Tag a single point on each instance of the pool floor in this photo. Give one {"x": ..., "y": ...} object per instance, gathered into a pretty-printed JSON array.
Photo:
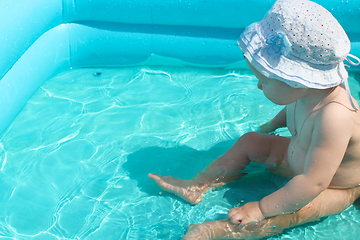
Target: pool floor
[{"x": 74, "y": 162}]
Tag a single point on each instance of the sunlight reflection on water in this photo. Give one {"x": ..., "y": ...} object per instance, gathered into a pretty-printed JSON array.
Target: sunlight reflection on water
[{"x": 74, "y": 162}]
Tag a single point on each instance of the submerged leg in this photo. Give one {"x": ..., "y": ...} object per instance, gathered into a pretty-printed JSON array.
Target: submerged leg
[
  {"x": 267, "y": 149},
  {"x": 331, "y": 201}
]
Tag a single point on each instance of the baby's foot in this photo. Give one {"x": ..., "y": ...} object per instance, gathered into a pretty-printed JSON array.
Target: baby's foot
[{"x": 189, "y": 190}]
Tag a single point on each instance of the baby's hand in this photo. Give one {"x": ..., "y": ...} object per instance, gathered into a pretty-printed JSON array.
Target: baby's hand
[{"x": 249, "y": 213}]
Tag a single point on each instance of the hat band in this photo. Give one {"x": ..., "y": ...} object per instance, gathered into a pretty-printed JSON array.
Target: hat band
[{"x": 346, "y": 83}]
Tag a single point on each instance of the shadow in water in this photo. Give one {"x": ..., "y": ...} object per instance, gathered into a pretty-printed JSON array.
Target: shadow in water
[
  {"x": 185, "y": 162},
  {"x": 181, "y": 162}
]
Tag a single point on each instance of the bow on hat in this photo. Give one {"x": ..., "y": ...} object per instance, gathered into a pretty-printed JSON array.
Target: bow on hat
[{"x": 278, "y": 44}]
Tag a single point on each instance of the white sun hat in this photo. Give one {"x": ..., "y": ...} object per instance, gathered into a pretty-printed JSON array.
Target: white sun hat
[{"x": 300, "y": 43}]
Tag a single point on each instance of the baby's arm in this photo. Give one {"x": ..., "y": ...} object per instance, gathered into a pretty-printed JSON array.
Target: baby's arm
[
  {"x": 331, "y": 135},
  {"x": 277, "y": 122}
]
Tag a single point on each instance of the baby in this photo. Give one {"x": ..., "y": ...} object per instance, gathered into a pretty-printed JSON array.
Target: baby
[{"x": 297, "y": 53}]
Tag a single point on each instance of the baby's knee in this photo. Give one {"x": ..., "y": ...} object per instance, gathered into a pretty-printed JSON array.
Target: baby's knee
[
  {"x": 255, "y": 141},
  {"x": 249, "y": 142},
  {"x": 251, "y": 137}
]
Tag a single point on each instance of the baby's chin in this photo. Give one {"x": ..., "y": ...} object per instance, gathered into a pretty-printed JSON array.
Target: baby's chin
[{"x": 281, "y": 102}]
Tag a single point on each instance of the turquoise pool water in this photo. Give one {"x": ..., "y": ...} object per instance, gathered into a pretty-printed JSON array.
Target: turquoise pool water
[{"x": 73, "y": 164}]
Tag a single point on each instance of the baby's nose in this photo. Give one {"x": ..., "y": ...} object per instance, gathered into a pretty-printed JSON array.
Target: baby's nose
[{"x": 259, "y": 85}]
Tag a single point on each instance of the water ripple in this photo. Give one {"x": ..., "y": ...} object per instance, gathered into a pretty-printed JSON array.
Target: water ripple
[{"x": 74, "y": 162}]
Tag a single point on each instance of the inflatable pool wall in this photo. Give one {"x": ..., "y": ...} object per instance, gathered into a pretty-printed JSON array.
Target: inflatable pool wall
[{"x": 40, "y": 38}]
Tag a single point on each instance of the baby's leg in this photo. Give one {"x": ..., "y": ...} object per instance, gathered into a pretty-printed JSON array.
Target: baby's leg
[
  {"x": 331, "y": 201},
  {"x": 262, "y": 148}
]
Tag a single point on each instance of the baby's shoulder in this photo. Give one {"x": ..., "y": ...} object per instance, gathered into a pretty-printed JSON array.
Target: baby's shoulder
[
  {"x": 338, "y": 114},
  {"x": 338, "y": 104}
]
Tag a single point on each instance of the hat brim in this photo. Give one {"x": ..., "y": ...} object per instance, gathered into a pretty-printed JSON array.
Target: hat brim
[{"x": 289, "y": 69}]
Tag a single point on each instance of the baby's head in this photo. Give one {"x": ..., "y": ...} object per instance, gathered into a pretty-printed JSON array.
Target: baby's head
[{"x": 299, "y": 43}]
